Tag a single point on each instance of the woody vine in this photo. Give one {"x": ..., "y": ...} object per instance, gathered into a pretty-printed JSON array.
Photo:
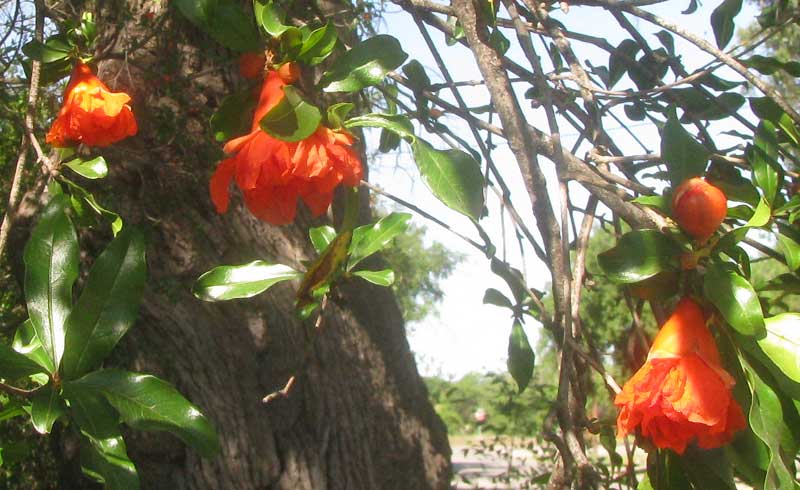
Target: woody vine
[{"x": 717, "y": 395}]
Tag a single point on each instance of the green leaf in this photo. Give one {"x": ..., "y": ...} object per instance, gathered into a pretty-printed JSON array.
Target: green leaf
[
  {"x": 662, "y": 203},
  {"x": 319, "y": 45},
  {"x": 14, "y": 365},
  {"x": 790, "y": 283},
  {"x": 735, "y": 298},
  {"x": 453, "y": 176},
  {"x": 27, "y": 343},
  {"x": 228, "y": 282},
  {"x": 761, "y": 216},
  {"x": 148, "y": 403},
  {"x": 369, "y": 239},
  {"x": 685, "y": 157},
  {"x": 766, "y": 108},
  {"x": 396, "y": 123},
  {"x": 621, "y": 59},
  {"x": 789, "y": 243},
  {"x": 90, "y": 410},
  {"x": 494, "y": 297},
  {"x": 197, "y": 11},
  {"x": 722, "y": 21},
  {"x": 321, "y": 237},
  {"x": 337, "y": 114},
  {"x": 782, "y": 343},
  {"x": 51, "y": 267},
  {"x": 55, "y": 48},
  {"x": 46, "y": 407},
  {"x": 520, "y": 357},
  {"x": 383, "y": 278},
  {"x": 107, "y": 461},
  {"x": 108, "y": 304},
  {"x": 364, "y": 65},
  {"x": 232, "y": 28},
  {"x": 270, "y": 17},
  {"x": 769, "y": 418},
  {"x": 293, "y": 118},
  {"x": 639, "y": 255},
  {"x": 234, "y": 115},
  {"x": 768, "y": 66},
  {"x": 84, "y": 195},
  {"x": 735, "y": 187},
  {"x": 767, "y": 173},
  {"x": 96, "y": 168}
]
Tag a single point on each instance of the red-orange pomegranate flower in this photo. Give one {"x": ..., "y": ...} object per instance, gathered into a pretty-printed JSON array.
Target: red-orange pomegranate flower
[
  {"x": 91, "y": 114},
  {"x": 273, "y": 174},
  {"x": 681, "y": 394}
]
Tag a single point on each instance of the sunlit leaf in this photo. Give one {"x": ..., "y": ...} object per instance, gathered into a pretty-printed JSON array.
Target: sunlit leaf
[{"x": 228, "y": 282}]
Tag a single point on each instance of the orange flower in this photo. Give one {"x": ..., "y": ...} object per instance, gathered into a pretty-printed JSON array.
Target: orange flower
[
  {"x": 682, "y": 393},
  {"x": 91, "y": 113},
  {"x": 273, "y": 174}
]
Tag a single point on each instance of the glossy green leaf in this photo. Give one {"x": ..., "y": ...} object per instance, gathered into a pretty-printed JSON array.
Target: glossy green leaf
[
  {"x": 81, "y": 195},
  {"x": 722, "y": 21},
  {"x": 293, "y": 118},
  {"x": 789, "y": 244},
  {"x": 383, "y": 278},
  {"x": 766, "y": 108},
  {"x": 768, "y": 418},
  {"x": 319, "y": 45},
  {"x": 321, "y": 237},
  {"x": 107, "y": 461},
  {"x": 46, "y": 407},
  {"x": 55, "y": 48},
  {"x": 148, "y": 403},
  {"x": 234, "y": 116},
  {"x": 27, "y": 343},
  {"x": 91, "y": 411},
  {"x": 14, "y": 365},
  {"x": 639, "y": 255},
  {"x": 396, "y": 123},
  {"x": 520, "y": 357},
  {"x": 270, "y": 17},
  {"x": 494, "y": 297},
  {"x": 735, "y": 299},
  {"x": 685, "y": 157},
  {"x": 453, "y": 176},
  {"x": 369, "y": 239},
  {"x": 108, "y": 304},
  {"x": 767, "y": 173},
  {"x": 366, "y": 64},
  {"x": 782, "y": 343},
  {"x": 96, "y": 168},
  {"x": 761, "y": 216},
  {"x": 51, "y": 267},
  {"x": 228, "y": 282}
]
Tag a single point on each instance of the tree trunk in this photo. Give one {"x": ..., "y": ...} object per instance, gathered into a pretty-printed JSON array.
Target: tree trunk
[{"x": 358, "y": 416}]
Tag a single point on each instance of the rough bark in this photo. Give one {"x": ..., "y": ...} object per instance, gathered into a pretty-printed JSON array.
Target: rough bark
[{"x": 358, "y": 417}]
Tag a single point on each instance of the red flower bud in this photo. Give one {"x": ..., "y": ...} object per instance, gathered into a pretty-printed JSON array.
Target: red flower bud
[
  {"x": 699, "y": 208},
  {"x": 289, "y": 72}
]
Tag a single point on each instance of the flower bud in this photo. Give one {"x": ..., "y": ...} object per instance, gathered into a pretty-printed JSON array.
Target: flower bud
[
  {"x": 699, "y": 208},
  {"x": 289, "y": 72}
]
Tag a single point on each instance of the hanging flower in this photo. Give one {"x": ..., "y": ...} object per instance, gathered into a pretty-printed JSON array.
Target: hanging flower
[
  {"x": 681, "y": 394},
  {"x": 273, "y": 174},
  {"x": 91, "y": 114}
]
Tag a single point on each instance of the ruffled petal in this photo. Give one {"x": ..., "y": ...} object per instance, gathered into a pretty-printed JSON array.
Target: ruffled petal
[{"x": 219, "y": 186}]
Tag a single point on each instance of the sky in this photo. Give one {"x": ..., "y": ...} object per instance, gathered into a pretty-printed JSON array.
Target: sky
[{"x": 465, "y": 335}]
